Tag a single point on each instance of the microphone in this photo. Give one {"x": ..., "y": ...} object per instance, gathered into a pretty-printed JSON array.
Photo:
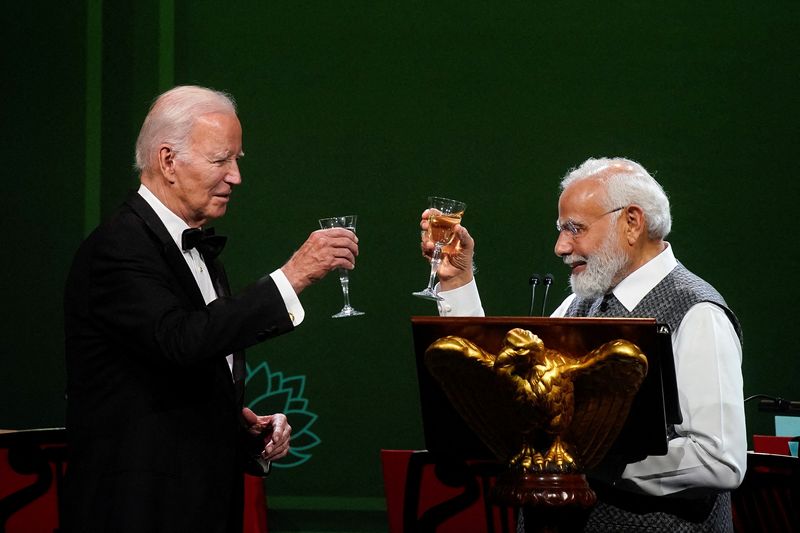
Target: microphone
[
  {"x": 775, "y": 404},
  {"x": 548, "y": 280},
  {"x": 533, "y": 282}
]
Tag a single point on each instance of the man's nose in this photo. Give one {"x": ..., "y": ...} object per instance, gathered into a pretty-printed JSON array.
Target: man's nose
[
  {"x": 234, "y": 176},
  {"x": 563, "y": 244}
]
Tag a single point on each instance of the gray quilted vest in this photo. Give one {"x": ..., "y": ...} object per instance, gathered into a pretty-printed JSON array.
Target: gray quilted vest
[
  {"x": 668, "y": 302},
  {"x": 618, "y": 510}
]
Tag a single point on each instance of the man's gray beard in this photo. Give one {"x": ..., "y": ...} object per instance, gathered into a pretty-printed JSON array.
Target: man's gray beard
[{"x": 601, "y": 269}]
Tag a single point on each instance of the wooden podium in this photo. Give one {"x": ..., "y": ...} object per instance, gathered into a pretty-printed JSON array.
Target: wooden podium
[
  {"x": 555, "y": 497},
  {"x": 655, "y": 407}
]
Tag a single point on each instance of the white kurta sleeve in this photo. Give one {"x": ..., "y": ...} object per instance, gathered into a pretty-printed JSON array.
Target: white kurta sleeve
[
  {"x": 711, "y": 449},
  {"x": 463, "y": 301}
]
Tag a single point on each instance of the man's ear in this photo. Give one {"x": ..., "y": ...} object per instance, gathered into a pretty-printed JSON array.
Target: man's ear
[
  {"x": 635, "y": 223},
  {"x": 166, "y": 162}
]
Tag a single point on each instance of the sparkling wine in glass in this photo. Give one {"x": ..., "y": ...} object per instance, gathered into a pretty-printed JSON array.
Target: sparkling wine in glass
[
  {"x": 443, "y": 217},
  {"x": 347, "y": 222}
]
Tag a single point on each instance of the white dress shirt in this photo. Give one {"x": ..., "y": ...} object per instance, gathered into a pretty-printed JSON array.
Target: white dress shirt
[
  {"x": 176, "y": 225},
  {"x": 710, "y": 451}
]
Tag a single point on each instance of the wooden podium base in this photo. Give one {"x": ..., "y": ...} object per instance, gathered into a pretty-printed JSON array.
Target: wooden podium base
[
  {"x": 543, "y": 490},
  {"x": 551, "y": 502}
]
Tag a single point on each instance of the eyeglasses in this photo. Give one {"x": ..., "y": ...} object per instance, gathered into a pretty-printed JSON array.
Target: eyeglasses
[{"x": 576, "y": 229}]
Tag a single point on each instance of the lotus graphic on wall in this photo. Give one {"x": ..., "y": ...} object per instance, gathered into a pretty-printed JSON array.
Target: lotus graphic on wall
[{"x": 272, "y": 392}]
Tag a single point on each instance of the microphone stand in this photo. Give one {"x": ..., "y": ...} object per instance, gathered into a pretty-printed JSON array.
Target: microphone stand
[
  {"x": 533, "y": 282},
  {"x": 548, "y": 280}
]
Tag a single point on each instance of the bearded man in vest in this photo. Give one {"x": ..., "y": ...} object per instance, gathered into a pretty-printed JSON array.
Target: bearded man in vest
[{"x": 613, "y": 217}]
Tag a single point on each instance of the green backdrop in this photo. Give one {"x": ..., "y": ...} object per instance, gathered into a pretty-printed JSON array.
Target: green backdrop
[{"x": 368, "y": 108}]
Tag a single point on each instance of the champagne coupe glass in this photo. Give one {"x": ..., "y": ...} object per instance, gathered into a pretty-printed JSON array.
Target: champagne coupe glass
[
  {"x": 347, "y": 222},
  {"x": 444, "y": 215}
]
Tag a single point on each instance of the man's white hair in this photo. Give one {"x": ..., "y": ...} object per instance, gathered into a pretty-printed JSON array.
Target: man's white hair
[
  {"x": 627, "y": 182},
  {"x": 171, "y": 118}
]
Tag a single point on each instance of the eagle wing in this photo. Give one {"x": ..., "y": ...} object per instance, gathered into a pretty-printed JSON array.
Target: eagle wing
[
  {"x": 605, "y": 383},
  {"x": 498, "y": 406}
]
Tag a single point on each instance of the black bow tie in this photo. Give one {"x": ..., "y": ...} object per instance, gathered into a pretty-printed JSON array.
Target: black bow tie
[{"x": 205, "y": 240}]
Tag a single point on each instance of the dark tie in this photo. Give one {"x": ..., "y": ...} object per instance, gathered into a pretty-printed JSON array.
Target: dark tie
[
  {"x": 205, "y": 240},
  {"x": 601, "y": 308}
]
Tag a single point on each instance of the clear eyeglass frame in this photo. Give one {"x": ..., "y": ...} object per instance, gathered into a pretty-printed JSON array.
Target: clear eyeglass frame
[{"x": 576, "y": 229}]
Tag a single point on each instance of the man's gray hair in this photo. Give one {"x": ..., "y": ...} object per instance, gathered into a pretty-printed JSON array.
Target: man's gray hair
[
  {"x": 627, "y": 182},
  {"x": 172, "y": 116}
]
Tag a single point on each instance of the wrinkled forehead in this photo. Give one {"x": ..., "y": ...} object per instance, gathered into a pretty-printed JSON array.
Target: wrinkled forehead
[
  {"x": 216, "y": 122},
  {"x": 216, "y": 129},
  {"x": 582, "y": 200}
]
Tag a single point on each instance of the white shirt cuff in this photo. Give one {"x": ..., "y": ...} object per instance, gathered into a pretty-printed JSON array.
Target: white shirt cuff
[
  {"x": 463, "y": 301},
  {"x": 290, "y": 299}
]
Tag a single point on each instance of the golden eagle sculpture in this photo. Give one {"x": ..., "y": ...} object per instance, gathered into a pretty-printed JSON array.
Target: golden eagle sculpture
[{"x": 540, "y": 410}]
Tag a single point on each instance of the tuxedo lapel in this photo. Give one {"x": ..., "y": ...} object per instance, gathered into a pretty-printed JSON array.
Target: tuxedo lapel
[
  {"x": 177, "y": 264},
  {"x": 219, "y": 277},
  {"x": 172, "y": 254},
  {"x": 221, "y": 285}
]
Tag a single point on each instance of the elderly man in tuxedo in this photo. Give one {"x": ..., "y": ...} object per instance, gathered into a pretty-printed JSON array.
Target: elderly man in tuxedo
[
  {"x": 613, "y": 219},
  {"x": 159, "y": 439}
]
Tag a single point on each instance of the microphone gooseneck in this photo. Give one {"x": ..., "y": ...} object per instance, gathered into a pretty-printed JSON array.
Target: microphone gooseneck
[
  {"x": 533, "y": 281},
  {"x": 548, "y": 280}
]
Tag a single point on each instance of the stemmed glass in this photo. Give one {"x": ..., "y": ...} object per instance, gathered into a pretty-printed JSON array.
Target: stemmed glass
[
  {"x": 444, "y": 215},
  {"x": 347, "y": 222}
]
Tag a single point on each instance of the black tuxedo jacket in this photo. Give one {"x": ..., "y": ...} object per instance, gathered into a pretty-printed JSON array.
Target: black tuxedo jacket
[{"x": 153, "y": 415}]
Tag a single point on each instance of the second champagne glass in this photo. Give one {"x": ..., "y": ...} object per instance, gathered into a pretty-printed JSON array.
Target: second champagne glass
[
  {"x": 443, "y": 217},
  {"x": 347, "y": 222}
]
